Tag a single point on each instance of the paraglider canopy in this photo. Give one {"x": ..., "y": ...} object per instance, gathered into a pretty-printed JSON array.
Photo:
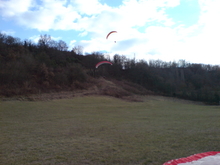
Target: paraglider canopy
[
  {"x": 206, "y": 158},
  {"x": 110, "y": 34},
  {"x": 102, "y": 62}
]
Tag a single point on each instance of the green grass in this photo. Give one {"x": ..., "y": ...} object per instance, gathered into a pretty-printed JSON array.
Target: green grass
[{"x": 105, "y": 130}]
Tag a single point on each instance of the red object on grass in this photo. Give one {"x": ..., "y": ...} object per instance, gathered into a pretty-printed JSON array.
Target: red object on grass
[{"x": 193, "y": 158}]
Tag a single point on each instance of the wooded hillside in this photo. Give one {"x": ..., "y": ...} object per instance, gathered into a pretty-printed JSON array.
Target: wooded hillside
[{"x": 29, "y": 68}]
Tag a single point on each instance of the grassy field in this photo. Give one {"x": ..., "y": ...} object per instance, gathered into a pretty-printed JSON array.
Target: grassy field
[{"x": 105, "y": 131}]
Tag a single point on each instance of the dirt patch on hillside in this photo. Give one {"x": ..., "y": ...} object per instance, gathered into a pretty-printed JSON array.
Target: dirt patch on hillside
[{"x": 114, "y": 88}]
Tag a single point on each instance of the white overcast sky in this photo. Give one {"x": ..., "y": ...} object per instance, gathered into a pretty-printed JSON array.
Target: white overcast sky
[{"x": 147, "y": 29}]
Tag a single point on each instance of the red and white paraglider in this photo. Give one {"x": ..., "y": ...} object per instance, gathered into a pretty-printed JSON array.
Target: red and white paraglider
[
  {"x": 102, "y": 62},
  {"x": 206, "y": 158}
]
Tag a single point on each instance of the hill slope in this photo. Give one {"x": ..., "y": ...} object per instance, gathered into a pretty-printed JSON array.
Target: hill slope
[{"x": 101, "y": 86}]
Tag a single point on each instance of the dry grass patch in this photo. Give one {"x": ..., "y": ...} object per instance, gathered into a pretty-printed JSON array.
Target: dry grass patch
[{"x": 119, "y": 89}]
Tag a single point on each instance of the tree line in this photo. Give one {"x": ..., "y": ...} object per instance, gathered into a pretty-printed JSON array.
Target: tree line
[{"x": 27, "y": 67}]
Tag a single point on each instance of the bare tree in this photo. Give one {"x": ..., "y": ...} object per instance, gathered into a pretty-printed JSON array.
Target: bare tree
[
  {"x": 44, "y": 41},
  {"x": 62, "y": 46},
  {"x": 78, "y": 50}
]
